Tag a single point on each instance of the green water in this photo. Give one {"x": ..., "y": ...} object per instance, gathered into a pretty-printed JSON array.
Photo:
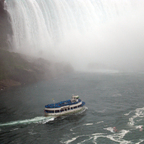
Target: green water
[{"x": 112, "y": 100}]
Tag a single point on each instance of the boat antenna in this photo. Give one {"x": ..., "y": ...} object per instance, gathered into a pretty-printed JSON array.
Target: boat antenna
[{"x": 53, "y": 101}]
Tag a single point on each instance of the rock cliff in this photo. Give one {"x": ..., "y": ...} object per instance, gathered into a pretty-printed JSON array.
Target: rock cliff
[
  {"x": 17, "y": 69},
  {"x": 5, "y": 27}
]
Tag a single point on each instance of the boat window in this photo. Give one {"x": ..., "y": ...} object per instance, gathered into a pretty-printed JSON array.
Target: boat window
[
  {"x": 57, "y": 111},
  {"x": 62, "y": 110},
  {"x": 48, "y": 111},
  {"x": 75, "y": 107},
  {"x": 68, "y": 108}
]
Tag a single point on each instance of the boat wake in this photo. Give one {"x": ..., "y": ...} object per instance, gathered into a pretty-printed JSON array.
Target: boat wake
[
  {"x": 85, "y": 108},
  {"x": 40, "y": 120}
]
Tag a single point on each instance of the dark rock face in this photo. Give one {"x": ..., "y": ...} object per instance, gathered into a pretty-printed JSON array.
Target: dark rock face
[
  {"x": 5, "y": 26},
  {"x": 2, "y": 5}
]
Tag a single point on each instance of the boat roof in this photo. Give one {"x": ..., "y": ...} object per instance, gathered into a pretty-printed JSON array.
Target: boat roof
[{"x": 61, "y": 104}]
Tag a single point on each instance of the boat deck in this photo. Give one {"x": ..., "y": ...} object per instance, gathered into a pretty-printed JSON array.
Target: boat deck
[{"x": 62, "y": 103}]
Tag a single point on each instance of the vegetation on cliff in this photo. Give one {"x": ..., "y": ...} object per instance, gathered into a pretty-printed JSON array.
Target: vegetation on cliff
[{"x": 17, "y": 69}]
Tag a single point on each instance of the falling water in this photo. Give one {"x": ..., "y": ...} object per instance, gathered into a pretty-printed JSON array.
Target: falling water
[{"x": 53, "y": 26}]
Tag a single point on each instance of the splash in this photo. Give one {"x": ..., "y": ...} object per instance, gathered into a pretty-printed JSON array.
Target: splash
[{"x": 41, "y": 120}]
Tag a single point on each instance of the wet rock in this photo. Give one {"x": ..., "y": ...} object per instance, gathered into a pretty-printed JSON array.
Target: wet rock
[{"x": 5, "y": 26}]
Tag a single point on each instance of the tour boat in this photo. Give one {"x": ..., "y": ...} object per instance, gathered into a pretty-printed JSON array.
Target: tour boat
[{"x": 64, "y": 107}]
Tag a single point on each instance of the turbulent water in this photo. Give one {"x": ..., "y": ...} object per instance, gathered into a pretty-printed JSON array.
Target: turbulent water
[
  {"x": 77, "y": 31},
  {"x": 112, "y": 100}
]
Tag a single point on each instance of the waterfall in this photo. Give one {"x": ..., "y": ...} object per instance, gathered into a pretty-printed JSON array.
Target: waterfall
[{"x": 53, "y": 26}]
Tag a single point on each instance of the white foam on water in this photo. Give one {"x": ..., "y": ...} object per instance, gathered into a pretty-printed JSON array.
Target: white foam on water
[
  {"x": 139, "y": 113},
  {"x": 140, "y": 142},
  {"x": 138, "y": 126},
  {"x": 71, "y": 140},
  {"x": 118, "y": 137},
  {"x": 85, "y": 108},
  {"x": 109, "y": 129},
  {"x": 85, "y": 140},
  {"x": 96, "y": 136},
  {"x": 131, "y": 121},
  {"x": 74, "y": 138},
  {"x": 127, "y": 113},
  {"x": 99, "y": 122},
  {"x": 48, "y": 120},
  {"x": 88, "y": 124},
  {"x": 115, "y": 137},
  {"x": 41, "y": 120},
  {"x": 139, "y": 120}
]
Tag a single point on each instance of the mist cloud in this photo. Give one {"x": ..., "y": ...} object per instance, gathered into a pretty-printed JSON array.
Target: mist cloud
[
  {"x": 117, "y": 43},
  {"x": 109, "y": 33}
]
